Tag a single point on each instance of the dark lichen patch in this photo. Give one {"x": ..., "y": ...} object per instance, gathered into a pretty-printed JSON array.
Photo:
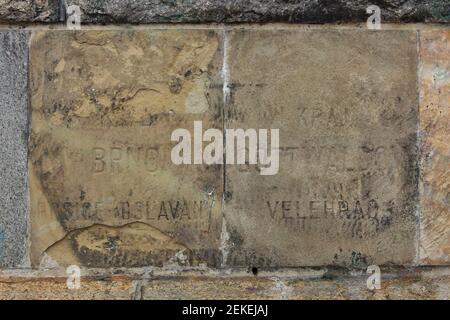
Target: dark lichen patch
[{"x": 359, "y": 260}]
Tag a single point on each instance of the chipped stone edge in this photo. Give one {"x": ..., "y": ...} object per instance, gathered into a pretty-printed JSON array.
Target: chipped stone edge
[{"x": 147, "y": 273}]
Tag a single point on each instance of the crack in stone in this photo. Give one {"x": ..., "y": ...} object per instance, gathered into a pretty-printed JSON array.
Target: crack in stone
[{"x": 107, "y": 226}]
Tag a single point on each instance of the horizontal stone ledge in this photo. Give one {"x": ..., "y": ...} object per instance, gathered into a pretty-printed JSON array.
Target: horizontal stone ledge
[
  {"x": 132, "y": 11},
  {"x": 261, "y": 11},
  {"x": 418, "y": 283},
  {"x": 219, "y": 11}
]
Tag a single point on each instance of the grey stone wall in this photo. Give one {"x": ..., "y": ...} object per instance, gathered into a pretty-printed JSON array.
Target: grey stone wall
[
  {"x": 13, "y": 141},
  {"x": 221, "y": 11},
  {"x": 29, "y": 10}
]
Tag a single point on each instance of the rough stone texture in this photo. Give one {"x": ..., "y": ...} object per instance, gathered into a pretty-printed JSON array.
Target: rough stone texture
[
  {"x": 29, "y": 10},
  {"x": 104, "y": 191},
  {"x": 413, "y": 284},
  {"x": 56, "y": 289},
  {"x": 198, "y": 11},
  {"x": 346, "y": 106},
  {"x": 435, "y": 133},
  {"x": 13, "y": 141},
  {"x": 136, "y": 11},
  {"x": 407, "y": 287},
  {"x": 207, "y": 288}
]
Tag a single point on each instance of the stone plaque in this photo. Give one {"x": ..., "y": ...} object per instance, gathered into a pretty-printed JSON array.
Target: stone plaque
[
  {"x": 346, "y": 106},
  {"x": 104, "y": 191}
]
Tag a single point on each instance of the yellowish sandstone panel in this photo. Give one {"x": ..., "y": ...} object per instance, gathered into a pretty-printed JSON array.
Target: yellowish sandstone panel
[
  {"x": 435, "y": 135},
  {"x": 345, "y": 102},
  {"x": 104, "y": 191}
]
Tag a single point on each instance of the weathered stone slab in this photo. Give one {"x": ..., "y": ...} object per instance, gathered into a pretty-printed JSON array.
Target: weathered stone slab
[
  {"x": 345, "y": 103},
  {"x": 13, "y": 156},
  {"x": 104, "y": 191},
  {"x": 435, "y": 133},
  {"x": 29, "y": 10},
  {"x": 320, "y": 11}
]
